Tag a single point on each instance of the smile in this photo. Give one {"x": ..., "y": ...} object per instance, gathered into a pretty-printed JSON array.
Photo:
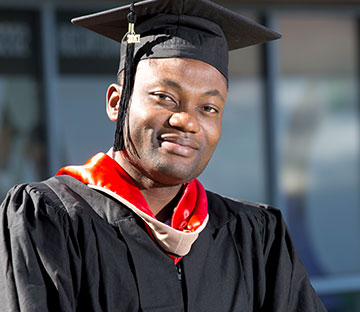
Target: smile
[{"x": 175, "y": 144}]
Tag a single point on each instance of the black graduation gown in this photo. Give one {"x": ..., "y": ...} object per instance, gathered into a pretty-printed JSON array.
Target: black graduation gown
[{"x": 66, "y": 247}]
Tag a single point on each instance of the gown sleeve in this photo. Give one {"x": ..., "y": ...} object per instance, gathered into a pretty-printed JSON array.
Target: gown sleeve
[
  {"x": 38, "y": 262},
  {"x": 288, "y": 287}
]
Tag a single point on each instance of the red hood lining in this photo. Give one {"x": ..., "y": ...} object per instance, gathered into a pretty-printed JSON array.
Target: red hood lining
[{"x": 101, "y": 170}]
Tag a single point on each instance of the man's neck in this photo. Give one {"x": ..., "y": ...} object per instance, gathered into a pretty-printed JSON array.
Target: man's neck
[{"x": 162, "y": 199}]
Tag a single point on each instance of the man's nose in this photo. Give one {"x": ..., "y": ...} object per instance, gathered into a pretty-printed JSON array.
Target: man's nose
[{"x": 184, "y": 121}]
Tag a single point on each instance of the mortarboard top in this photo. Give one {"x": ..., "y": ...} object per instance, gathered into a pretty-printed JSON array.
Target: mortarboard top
[{"x": 198, "y": 29}]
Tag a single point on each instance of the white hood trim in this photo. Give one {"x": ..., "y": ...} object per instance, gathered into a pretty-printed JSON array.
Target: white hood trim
[{"x": 170, "y": 239}]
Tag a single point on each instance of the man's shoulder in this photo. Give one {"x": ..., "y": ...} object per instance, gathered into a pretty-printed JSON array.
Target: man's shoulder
[
  {"x": 236, "y": 203},
  {"x": 224, "y": 209},
  {"x": 54, "y": 196}
]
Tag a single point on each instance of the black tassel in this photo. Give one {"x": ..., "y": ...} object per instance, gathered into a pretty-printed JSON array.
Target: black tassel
[{"x": 128, "y": 82}]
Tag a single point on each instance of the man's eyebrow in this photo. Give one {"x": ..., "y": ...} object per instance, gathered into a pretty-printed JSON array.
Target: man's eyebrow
[
  {"x": 215, "y": 92},
  {"x": 172, "y": 83}
]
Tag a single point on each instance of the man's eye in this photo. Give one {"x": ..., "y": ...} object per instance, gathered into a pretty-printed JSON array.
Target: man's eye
[
  {"x": 210, "y": 109},
  {"x": 164, "y": 97}
]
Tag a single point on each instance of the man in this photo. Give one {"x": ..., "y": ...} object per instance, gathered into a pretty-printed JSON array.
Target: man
[{"x": 133, "y": 230}]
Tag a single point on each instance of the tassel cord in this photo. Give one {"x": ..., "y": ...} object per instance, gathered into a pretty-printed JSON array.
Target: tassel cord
[{"x": 120, "y": 142}]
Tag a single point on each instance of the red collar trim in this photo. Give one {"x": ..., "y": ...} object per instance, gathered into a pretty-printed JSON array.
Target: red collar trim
[{"x": 101, "y": 170}]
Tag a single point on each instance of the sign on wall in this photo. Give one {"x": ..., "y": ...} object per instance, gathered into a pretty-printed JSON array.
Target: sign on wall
[
  {"x": 19, "y": 42},
  {"x": 82, "y": 51}
]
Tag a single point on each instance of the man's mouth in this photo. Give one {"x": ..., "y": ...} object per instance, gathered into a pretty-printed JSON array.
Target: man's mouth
[{"x": 178, "y": 145}]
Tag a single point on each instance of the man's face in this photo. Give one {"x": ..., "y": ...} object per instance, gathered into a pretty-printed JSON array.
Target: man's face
[{"x": 175, "y": 119}]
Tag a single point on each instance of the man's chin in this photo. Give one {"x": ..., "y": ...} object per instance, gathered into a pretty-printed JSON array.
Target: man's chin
[{"x": 174, "y": 175}]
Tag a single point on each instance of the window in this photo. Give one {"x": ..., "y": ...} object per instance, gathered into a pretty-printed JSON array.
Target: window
[
  {"x": 22, "y": 118},
  {"x": 318, "y": 156}
]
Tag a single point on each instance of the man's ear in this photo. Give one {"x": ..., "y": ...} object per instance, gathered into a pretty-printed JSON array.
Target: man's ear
[{"x": 113, "y": 96}]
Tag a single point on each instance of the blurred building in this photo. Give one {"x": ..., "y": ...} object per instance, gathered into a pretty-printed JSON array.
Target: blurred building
[{"x": 290, "y": 132}]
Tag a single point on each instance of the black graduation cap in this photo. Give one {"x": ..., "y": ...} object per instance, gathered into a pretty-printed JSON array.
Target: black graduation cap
[{"x": 197, "y": 29}]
